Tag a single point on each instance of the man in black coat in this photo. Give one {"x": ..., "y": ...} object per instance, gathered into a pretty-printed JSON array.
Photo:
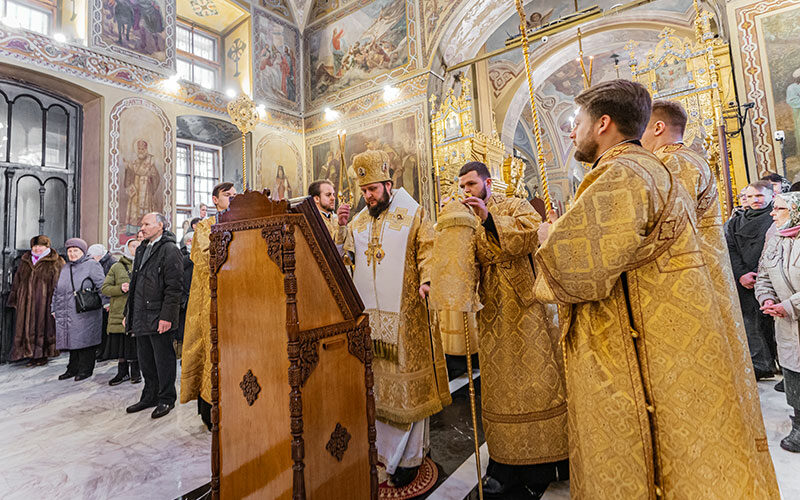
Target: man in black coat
[
  {"x": 151, "y": 314},
  {"x": 745, "y": 236}
]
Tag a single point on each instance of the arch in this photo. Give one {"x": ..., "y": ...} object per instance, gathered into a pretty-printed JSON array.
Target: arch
[
  {"x": 262, "y": 143},
  {"x": 120, "y": 143}
]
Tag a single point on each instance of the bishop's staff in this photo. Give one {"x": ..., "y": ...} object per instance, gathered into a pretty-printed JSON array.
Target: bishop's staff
[
  {"x": 537, "y": 131},
  {"x": 244, "y": 114}
]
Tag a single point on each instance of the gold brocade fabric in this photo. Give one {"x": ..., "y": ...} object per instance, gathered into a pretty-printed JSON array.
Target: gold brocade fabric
[
  {"x": 692, "y": 171},
  {"x": 451, "y": 328},
  {"x": 523, "y": 398},
  {"x": 654, "y": 406},
  {"x": 331, "y": 221},
  {"x": 196, "y": 356},
  {"x": 412, "y": 387}
]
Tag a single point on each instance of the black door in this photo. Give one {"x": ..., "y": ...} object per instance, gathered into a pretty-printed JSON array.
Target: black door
[{"x": 39, "y": 164}]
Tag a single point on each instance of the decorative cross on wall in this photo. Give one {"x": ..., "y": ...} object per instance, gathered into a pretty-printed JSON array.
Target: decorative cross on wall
[{"x": 235, "y": 53}]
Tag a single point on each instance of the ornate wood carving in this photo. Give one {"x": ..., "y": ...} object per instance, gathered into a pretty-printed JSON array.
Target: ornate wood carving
[
  {"x": 250, "y": 387},
  {"x": 273, "y": 237},
  {"x": 359, "y": 341},
  {"x": 251, "y": 205},
  {"x": 338, "y": 442},
  {"x": 295, "y": 373},
  {"x": 309, "y": 357},
  {"x": 214, "y": 358},
  {"x": 219, "y": 249}
]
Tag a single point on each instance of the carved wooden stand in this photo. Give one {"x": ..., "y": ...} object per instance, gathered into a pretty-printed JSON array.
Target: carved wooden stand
[{"x": 336, "y": 442}]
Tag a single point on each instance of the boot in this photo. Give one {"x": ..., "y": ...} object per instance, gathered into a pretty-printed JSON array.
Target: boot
[
  {"x": 792, "y": 441},
  {"x": 403, "y": 476},
  {"x": 122, "y": 374},
  {"x": 136, "y": 375}
]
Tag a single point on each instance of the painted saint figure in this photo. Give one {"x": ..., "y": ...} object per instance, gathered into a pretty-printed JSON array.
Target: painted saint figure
[{"x": 141, "y": 184}]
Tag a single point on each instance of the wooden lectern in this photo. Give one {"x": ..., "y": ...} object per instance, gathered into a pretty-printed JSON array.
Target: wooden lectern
[{"x": 293, "y": 413}]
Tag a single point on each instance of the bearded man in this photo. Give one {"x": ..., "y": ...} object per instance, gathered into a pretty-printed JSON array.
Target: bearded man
[
  {"x": 654, "y": 404},
  {"x": 390, "y": 243},
  {"x": 324, "y": 196},
  {"x": 523, "y": 394},
  {"x": 664, "y": 137}
]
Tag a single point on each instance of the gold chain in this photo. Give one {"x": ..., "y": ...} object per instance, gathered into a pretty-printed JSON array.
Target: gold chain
[
  {"x": 537, "y": 130},
  {"x": 472, "y": 407}
]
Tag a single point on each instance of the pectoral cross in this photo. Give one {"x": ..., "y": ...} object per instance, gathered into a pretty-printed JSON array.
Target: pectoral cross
[{"x": 374, "y": 251}]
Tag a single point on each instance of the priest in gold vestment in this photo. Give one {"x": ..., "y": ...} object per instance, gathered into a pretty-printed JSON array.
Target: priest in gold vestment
[
  {"x": 324, "y": 196},
  {"x": 196, "y": 355},
  {"x": 523, "y": 394},
  {"x": 390, "y": 243},
  {"x": 652, "y": 379},
  {"x": 664, "y": 137}
]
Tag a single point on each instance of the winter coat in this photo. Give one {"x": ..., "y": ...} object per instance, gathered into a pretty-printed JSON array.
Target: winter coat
[
  {"x": 745, "y": 237},
  {"x": 119, "y": 273},
  {"x": 107, "y": 261},
  {"x": 779, "y": 280},
  {"x": 76, "y": 330},
  {"x": 188, "y": 269},
  {"x": 156, "y": 289},
  {"x": 31, "y": 293}
]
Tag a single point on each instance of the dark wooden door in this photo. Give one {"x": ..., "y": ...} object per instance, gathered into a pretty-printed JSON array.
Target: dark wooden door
[{"x": 40, "y": 167}]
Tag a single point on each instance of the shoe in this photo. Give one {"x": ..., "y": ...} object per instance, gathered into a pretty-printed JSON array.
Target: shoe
[
  {"x": 136, "y": 375},
  {"x": 161, "y": 410},
  {"x": 141, "y": 405},
  {"x": 792, "y": 441},
  {"x": 122, "y": 374},
  {"x": 403, "y": 476},
  {"x": 40, "y": 362},
  {"x": 66, "y": 375},
  {"x": 763, "y": 375},
  {"x": 118, "y": 379},
  {"x": 82, "y": 376},
  {"x": 495, "y": 489},
  {"x": 779, "y": 387}
]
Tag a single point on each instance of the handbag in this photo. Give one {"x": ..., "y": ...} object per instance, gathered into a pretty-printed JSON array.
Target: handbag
[{"x": 87, "y": 298}]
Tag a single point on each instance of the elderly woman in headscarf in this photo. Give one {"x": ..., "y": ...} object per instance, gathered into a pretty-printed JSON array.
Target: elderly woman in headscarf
[
  {"x": 777, "y": 289},
  {"x": 120, "y": 345},
  {"x": 77, "y": 332}
]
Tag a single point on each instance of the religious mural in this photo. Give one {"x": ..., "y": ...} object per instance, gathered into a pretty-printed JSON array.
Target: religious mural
[
  {"x": 357, "y": 47},
  {"x": 398, "y": 138},
  {"x": 275, "y": 60},
  {"x": 278, "y": 168},
  {"x": 139, "y": 29},
  {"x": 781, "y": 32},
  {"x": 140, "y": 166}
]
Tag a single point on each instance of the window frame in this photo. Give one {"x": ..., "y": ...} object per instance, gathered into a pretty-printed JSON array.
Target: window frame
[
  {"x": 192, "y": 145},
  {"x": 49, "y": 7},
  {"x": 195, "y": 60}
]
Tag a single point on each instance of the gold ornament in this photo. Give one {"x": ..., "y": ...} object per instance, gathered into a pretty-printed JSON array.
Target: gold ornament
[{"x": 244, "y": 115}]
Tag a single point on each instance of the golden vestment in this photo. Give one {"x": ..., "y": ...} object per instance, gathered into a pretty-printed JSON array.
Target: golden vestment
[
  {"x": 652, "y": 380},
  {"x": 408, "y": 386},
  {"x": 693, "y": 172},
  {"x": 196, "y": 355},
  {"x": 331, "y": 221},
  {"x": 523, "y": 398}
]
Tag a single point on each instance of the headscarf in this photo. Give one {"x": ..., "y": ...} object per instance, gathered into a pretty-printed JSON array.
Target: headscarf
[
  {"x": 792, "y": 226},
  {"x": 96, "y": 250}
]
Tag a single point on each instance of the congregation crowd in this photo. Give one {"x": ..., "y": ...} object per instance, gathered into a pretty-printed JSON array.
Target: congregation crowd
[{"x": 80, "y": 302}]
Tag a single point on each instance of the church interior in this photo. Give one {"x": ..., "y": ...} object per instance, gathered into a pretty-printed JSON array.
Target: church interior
[{"x": 111, "y": 110}]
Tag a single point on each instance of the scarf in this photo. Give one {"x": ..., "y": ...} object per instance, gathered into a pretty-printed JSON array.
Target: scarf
[
  {"x": 35, "y": 258},
  {"x": 754, "y": 213},
  {"x": 792, "y": 226}
]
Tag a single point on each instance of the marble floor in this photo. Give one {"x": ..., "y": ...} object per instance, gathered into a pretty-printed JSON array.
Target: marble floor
[{"x": 66, "y": 439}]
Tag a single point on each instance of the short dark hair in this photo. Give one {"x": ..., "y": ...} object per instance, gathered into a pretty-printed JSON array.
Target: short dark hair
[
  {"x": 761, "y": 185},
  {"x": 671, "y": 113},
  {"x": 194, "y": 221},
  {"x": 773, "y": 177},
  {"x": 477, "y": 167},
  {"x": 795, "y": 187},
  {"x": 315, "y": 188},
  {"x": 222, "y": 186},
  {"x": 627, "y": 103}
]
